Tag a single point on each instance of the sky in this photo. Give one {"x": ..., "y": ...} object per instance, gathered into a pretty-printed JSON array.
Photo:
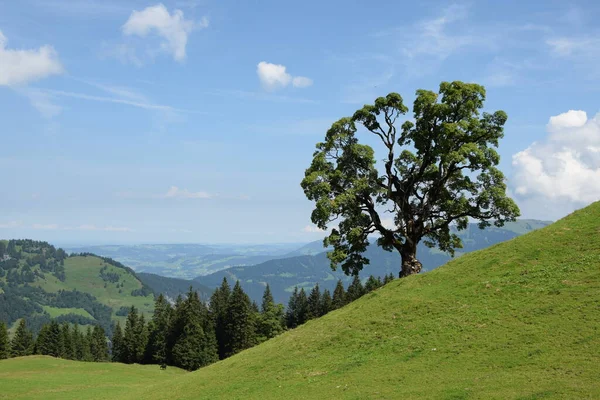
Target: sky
[{"x": 192, "y": 121}]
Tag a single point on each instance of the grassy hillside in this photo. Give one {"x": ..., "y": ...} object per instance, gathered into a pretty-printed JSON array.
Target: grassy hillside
[
  {"x": 43, "y": 377},
  {"x": 520, "y": 320},
  {"x": 39, "y": 282},
  {"x": 306, "y": 270}
]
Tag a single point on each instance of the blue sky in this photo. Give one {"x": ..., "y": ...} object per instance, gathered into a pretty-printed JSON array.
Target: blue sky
[{"x": 193, "y": 121}]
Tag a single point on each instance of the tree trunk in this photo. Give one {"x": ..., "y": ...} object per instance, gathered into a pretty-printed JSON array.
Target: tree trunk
[{"x": 410, "y": 264}]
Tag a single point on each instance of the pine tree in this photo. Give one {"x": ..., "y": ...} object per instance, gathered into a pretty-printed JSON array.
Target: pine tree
[
  {"x": 67, "y": 341},
  {"x": 87, "y": 345},
  {"x": 270, "y": 322},
  {"x": 291, "y": 313},
  {"x": 388, "y": 278},
  {"x": 314, "y": 303},
  {"x": 302, "y": 307},
  {"x": 372, "y": 284},
  {"x": 339, "y": 296},
  {"x": 22, "y": 343},
  {"x": 79, "y": 344},
  {"x": 196, "y": 345},
  {"x": 158, "y": 330},
  {"x": 4, "y": 344},
  {"x": 117, "y": 343},
  {"x": 326, "y": 302},
  {"x": 98, "y": 345},
  {"x": 141, "y": 339},
  {"x": 219, "y": 303},
  {"x": 130, "y": 337},
  {"x": 42, "y": 342},
  {"x": 241, "y": 321},
  {"x": 355, "y": 289}
]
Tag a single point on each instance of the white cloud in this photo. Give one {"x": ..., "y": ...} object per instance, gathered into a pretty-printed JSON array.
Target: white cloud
[
  {"x": 41, "y": 101},
  {"x": 565, "y": 167},
  {"x": 574, "y": 46},
  {"x": 44, "y": 226},
  {"x": 174, "y": 29},
  {"x": 302, "y": 82},
  {"x": 10, "y": 225},
  {"x": 19, "y": 67},
  {"x": 312, "y": 229},
  {"x": 275, "y": 76},
  {"x": 139, "y": 103},
  {"x": 89, "y": 227},
  {"x": 175, "y": 193}
]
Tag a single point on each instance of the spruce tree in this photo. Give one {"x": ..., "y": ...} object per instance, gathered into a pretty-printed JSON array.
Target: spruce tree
[
  {"x": 22, "y": 343},
  {"x": 219, "y": 303},
  {"x": 4, "y": 344},
  {"x": 241, "y": 328},
  {"x": 55, "y": 339},
  {"x": 270, "y": 322},
  {"x": 43, "y": 345},
  {"x": 339, "y": 296},
  {"x": 117, "y": 343},
  {"x": 302, "y": 307},
  {"x": 355, "y": 289},
  {"x": 67, "y": 342},
  {"x": 98, "y": 345},
  {"x": 130, "y": 337},
  {"x": 87, "y": 345},
  {"x": 326, "y": 302},
  {"x": 141, "y": 339},
  {"x": 157, "y": 341},
  {"x": 79, "y": 344},
  {"x": 196, "y": 345},
  {"x": 314, "y": 303},
  {"x": 291, "y": 313},
  {"x": 372, "y": 284}
]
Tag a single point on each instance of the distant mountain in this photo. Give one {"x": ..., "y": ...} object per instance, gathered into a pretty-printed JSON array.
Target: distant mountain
[
  {"x": 173, "y": 287},
  {"x": 39, "y": 282},
  {"x": 187, "y": 261},
  {"x": 306, "y": 270}
]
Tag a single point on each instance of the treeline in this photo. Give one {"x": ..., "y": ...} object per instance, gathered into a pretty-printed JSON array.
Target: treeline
[
  {"x": 190, "y": 333},
  {"x": 302, "y": 307},
  {"x": 18, "y": 257},
  {"x": 57, "y": 340}
]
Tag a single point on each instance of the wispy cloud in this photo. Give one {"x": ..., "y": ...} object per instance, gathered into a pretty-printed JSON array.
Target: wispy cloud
[
  {"x": 10, "y": 225},
  {"x": 175, "y": 193},
  {"x": 41, "y": 100},
  {"x": 261, "y": 96},
  {"x": 312, "y": 229},
  {"x": 83, "y": 227}
]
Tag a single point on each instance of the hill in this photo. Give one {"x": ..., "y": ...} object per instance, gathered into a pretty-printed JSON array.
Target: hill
[
  {"x": 44, "y": 377},
  {"x": 306, "y": 270},
  {"x": 187, "y": 261},
  {"x": 39, "y": 282},
  {"x": 173, "y": 287},
  {"x": 519, "y": 320}
]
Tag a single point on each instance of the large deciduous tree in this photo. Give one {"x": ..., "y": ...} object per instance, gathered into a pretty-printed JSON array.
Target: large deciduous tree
[{"x": 437, "y": 172}]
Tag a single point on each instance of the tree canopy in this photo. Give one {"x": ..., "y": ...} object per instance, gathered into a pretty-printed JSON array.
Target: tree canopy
[{"x": 438, "y": 172}]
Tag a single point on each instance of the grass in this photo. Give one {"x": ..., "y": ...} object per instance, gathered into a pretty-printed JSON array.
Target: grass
[
  {"x": 43, "y": 377},
  {"x": 83, "y": 274},
  {"x": 519, "y": 320},
  {"x": 56, "y": 312}
]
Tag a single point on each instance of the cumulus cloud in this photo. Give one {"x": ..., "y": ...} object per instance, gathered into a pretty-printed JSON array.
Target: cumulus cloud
[
  {"x": 19, "y": 67},
  {"x": 175, "y": 193},
  {"x": 275, "y": 76},
  {"x": 565, "y": 167},
  {"x": 173, "y": 28}
]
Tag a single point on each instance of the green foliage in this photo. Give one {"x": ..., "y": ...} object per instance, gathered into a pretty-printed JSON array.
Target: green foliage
[
  {"x": 437, "y": 171},
  {"x": 98, "y": 344},
  {"x": 4, "y": 342},
  {"x": 314, "y": 303},
  {"x": 270, "y": 321},
  {"x": 117, "y": 344},
  {"x": 219, "y": 306},
  {"x": 241, "y": 321},
  {"x": 339, "y": 296},
  {"x": 157, "y": 342},
  {"x": 22, "y": 342},
  {"x": 355, "y": 290}
]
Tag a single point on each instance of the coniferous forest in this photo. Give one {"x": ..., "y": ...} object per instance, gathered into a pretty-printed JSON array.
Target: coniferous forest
[{"x": 187, "y": 333}]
